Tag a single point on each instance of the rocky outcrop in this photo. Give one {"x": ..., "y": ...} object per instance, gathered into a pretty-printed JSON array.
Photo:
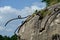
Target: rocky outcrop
[{"x": 46, "y": 28}]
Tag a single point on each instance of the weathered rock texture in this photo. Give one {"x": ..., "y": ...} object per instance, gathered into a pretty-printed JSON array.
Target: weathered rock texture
[{"x": 47, "y": 28}]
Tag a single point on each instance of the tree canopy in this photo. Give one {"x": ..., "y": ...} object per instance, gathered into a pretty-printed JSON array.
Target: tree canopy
[
  {"x": 51, "y": 2},
  {"x": 13, "y": 37}
]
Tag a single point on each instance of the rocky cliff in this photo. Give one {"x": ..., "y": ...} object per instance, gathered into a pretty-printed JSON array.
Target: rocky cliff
[{"x": 42, "y": 28}]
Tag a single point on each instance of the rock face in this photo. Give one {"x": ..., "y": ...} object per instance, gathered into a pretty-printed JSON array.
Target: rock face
[{"x": 47, "y": 28}]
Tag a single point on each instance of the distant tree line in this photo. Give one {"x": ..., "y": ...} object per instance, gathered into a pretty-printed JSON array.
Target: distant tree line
[{"x": 14, "y": 37}]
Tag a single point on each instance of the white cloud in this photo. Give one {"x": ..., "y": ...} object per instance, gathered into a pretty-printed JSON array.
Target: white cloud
[
  {"x": 8, "y": 30},
  {"x": 8, "y": 9},
  {"x": 40, "y": 4},
  {"x": 5, "y": 29},
  {"x": 29, "y": 10},
  {"x": 2, "y": 28},
  {"x": 24, "y": 11},
  {"x": 35, "y": 7},
  {"x": 0, "y": 17}
]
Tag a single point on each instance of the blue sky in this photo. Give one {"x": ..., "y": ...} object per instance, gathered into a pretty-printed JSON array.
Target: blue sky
[{"x": 12, "y": 8}]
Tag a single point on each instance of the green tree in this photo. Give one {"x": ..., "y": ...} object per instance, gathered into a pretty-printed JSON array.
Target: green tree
[
  {"x": 6, "y": 38},
  {"x": 14, "y": 37},
  {"x": 1, "y": 37},
  {"x": 51, "y": 2}
]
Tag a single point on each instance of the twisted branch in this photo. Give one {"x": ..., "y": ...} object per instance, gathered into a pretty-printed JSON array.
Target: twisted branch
[{"x": 19, "y": 17}]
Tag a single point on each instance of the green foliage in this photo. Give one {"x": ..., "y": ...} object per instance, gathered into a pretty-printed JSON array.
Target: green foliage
[
  {"x": 51, "y": 2},
  {"x": 42, "y": 13},
  {"x": 35, "y": 13},
  {"x": 6, "y": 38},
  {"x": 14, "y": 37},
  {"x": 1, "y": 37},
  {"x": 45, "y": 12}
]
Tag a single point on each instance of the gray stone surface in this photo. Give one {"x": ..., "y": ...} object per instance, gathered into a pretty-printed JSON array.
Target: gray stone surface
[{"x": 47, "y": 28}]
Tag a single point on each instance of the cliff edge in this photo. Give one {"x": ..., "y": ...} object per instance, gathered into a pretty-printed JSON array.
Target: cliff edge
[{"x": 38, "y": 27}]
